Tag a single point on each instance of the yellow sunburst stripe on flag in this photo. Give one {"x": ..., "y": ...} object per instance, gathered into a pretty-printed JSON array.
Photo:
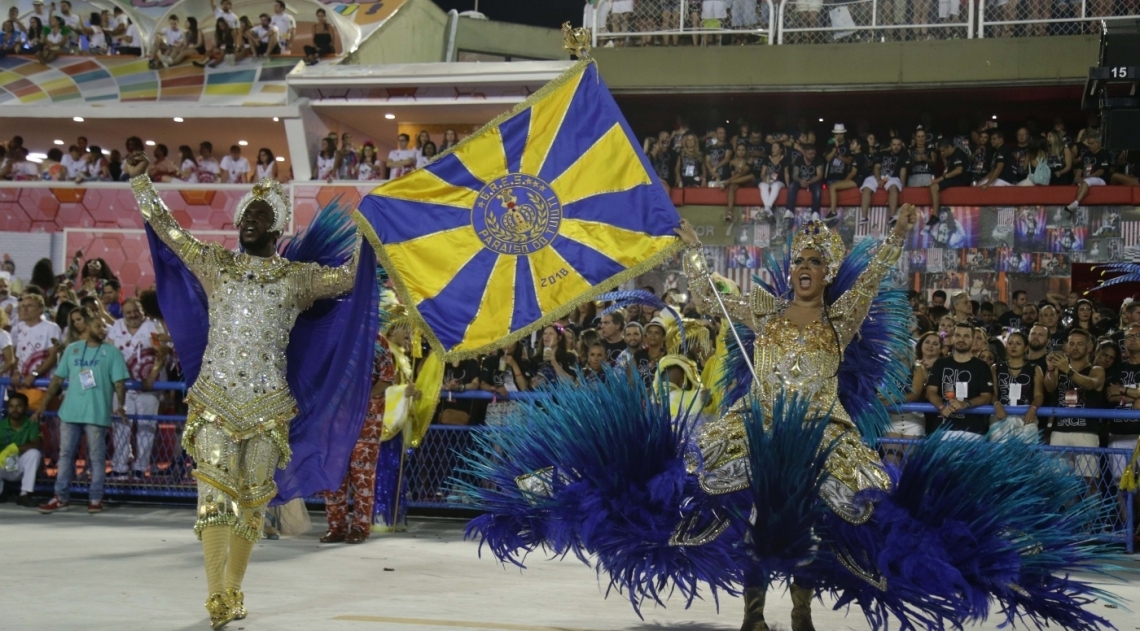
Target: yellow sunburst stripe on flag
[
  {"x": 610, "y": 165},
  {"x": 545, "y": 122},
  {"x": 425, "y": 186},
  {"x": 615, "y": 242},
  {"x": 493, "y": 319},
  {"x": 484, "y": 156},
  {"x": 448, "y": 251},
  {"x": 556, "y": 282}
]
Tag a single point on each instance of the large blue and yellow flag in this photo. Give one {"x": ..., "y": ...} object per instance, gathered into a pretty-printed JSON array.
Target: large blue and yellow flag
[{"x": 537, "y": 212}]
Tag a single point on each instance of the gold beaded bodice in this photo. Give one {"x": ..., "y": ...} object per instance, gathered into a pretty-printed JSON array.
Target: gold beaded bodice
[
  {"x": 803, "y": 362},
  {"x": 253, "y": 304}
]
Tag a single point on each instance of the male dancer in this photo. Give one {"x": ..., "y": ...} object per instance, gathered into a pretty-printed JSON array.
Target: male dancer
[{"x": 240, "y": 406}]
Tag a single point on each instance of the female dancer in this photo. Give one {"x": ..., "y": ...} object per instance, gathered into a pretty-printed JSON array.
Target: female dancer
[{"x": 781, "y": 487}]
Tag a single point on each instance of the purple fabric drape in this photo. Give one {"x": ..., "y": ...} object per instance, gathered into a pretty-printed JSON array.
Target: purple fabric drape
[
  {"x": 329, "y": 365},
  {"x": 391, "y": 506}
]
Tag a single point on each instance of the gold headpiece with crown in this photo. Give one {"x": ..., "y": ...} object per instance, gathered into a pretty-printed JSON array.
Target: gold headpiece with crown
[
  {"x": 815, "y": 235},
  {"x": 271, "y": 192}
]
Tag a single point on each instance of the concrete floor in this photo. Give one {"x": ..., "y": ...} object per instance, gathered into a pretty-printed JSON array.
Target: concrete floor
[{"x": 141, "y": 568}]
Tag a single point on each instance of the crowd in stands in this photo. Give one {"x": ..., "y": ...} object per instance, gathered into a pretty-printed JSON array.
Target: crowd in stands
[
  {"x": 982, "y": 155},
  {"x": 91, "y": 163},
  {"x": 49, "y": 33},
  {"x": 339, "y": 159}
]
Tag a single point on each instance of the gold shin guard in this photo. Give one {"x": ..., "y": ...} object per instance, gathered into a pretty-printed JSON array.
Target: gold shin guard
[
  {"x": 754, "y": 609},
  {"x": 801, "y": 608}
]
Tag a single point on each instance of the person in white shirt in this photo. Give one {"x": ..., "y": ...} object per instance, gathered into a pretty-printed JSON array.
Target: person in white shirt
[
  {"x": 74, "y": 162},
  {"x": 284, "y": 23},
  {"x": 136, "y": 337},
  {"x": 208, "y": 169},
  {"x": 35, "y": 340},
  {"x": 235, "y": 168},
  {"x": 8, "y": 302},
  {"x": 266, "y": 164},
  {"x": 166, "y": 43},
  {"x": 71, "y": 21},
  {"x": 96, "y": 36},
  {"x": 326, "y": 160},
  {"x": 131, "y": 41},
  {"x": 264, "y": 35},
  {"x": 401, "y": 160},
  {"x": 18, "y": 167},
  {"x": 226, "y": 12}
]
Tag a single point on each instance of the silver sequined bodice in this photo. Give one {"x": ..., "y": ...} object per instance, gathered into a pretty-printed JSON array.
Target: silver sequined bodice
[{"x": 250, "y": 320}]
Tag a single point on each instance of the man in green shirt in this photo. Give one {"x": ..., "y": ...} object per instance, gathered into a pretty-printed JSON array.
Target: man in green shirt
[
  {"x": 94, "y": 370},
  {"x": 20, "y": 445}
]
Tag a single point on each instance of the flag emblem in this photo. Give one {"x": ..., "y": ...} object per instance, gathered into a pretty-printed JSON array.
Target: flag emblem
[{"x": 517, "y": 214}]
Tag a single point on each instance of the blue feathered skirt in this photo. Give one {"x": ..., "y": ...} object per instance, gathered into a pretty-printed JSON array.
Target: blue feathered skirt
[{"x": 965, "y": 529}]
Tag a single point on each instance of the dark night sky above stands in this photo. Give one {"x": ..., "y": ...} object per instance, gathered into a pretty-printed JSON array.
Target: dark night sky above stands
[{"x": 548, "y": 13}]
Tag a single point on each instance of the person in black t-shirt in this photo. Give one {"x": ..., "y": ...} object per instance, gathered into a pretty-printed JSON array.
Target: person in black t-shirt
[
  {"x": 859, "y": 168},
  {"x": 956, "y": 162},
  {"x": 1076, "y": 383},
  {"x": 807, "y": 172},
  {"x": 663, "y": 160},
  {"x": 1124, "y": 391},
  {"x": 690, "y": 169},
  {"x": 1001, "y": 163},
  {"x": 1019, "y": 382},
  {"x": 1091, "y": 171},
  {"x": 958, "y": 382},
  {"x": 506, "y": 371},
  {"x": 741, "y": 174},
  {"x": 773, "y": 176},
  {"x": 1022, "y": 153},
  {"x": 1011, "y": 319},
  {"x": 838, "y": 156},
  {"x": 921, "y": 171},
  {"x": 645, "y": 360},
  {"x": 890, "y": 172},
  {"x": 980, "y": 159},
  {"x": 717, "y": 154},
  {"x": 612, "y": 331}
]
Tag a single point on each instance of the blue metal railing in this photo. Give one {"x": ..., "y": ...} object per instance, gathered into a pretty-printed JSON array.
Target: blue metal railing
[{"x": 434, "y": 464}]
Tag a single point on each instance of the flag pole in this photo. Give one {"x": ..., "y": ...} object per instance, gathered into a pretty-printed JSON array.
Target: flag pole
[{"x": 731, "y": 327}]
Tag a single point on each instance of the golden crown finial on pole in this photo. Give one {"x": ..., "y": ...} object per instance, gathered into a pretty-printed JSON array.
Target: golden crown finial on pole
[{"x": 576, "y": 41}]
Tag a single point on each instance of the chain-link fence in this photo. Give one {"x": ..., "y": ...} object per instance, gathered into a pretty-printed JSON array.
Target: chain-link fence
[
  {"x": 716, "y": 22},
  {"x": 616, "y": 23},
  {"x": 1040, "y": 18},
  {"x": 825, "y": 22}
]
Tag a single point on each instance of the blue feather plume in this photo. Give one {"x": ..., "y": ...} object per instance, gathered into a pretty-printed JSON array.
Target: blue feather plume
[
  {"x": 786, "y": 465},
  {"x": 970, "y": 525},
  {"x": 1129, "y": 273},
  {"x": 329, "y": 240},
  {"x": 619, "y": 489},
  {"x": 735, "y": 378}
]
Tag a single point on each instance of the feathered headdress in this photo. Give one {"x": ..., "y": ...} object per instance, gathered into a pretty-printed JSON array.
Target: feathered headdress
[{"x": 270, "y": 191}]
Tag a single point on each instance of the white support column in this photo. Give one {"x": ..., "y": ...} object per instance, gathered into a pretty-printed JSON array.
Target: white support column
[{"x": 301, "y": 133}]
